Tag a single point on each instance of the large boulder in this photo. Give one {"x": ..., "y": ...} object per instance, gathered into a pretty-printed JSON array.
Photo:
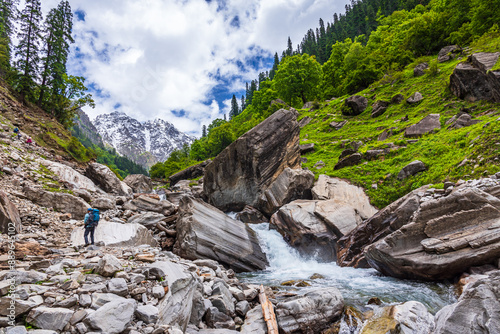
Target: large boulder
[
  {"x": 419, "y": 70},
  {"x": 178, "y": 307},
  {"x": 189, "y": 173},
  {"x": 116, "y": 235},
  {"x": 477, "y": 309},
  {"x": 290, "y": 185},
  {"x": 350, "y": 160},
  {"x": 107, "y": 180},
  {"x": 392, "y": 217},
  {"x": 473, "y": 80},
  {"x": 10, "y": 221},
  {"x": 148, "y": 219},
  {"x": 146, "y": 203},
  {"x": 343, "y": 193},
  {"x": 461, "y": 120},
  {"x": 69, "y": 175},
  {"x": 139, "y": 183},
  {"x": 354, "y": 105},
  {"x": 204, "y": 232},
  {"x": 246, "y": 168},
  {"x": 49, "y": 318},
  {"x": 62, "y": 202},
  {"x": 428, "y": 124},
  {"x": 444, "y": 237},
  {"x": 311, "y": 313},
  {"x": 112, "y": 317},
  {"x": 313, "y": 227}
]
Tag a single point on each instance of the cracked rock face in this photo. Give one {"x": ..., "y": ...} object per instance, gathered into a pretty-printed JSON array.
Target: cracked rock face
[{"x": 430, "y": 236}]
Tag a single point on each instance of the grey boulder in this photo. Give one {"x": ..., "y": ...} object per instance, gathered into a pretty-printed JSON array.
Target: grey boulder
[
  {"x": 411, "y": 169},
  {"x": 62, "y": 202},
  {"x": 354, "y": 105},
  {"x": 49, "y": 318},
  {"x": 428, "y": 124},
  {"x": 112, "y": 317},
  {"x": 106, "y": 179},
  {"x": 246, "y": 168},
  {"x": 139, "y": 183},
  {"x": 204, "y": 232},
  {"x": 10, "y": 220},
  {"x": 116, "y": 235},
  {"x": 310, "y": 313}
]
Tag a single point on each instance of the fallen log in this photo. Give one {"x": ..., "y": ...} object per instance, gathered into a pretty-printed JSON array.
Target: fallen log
[
  {"x": 170, "y": 233},
  {"x": 268, "y": 312}
]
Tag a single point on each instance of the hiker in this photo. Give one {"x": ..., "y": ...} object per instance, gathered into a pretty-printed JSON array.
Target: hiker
[
  {"x": 29, "y": 141},
  {"x": 19, "y": 135},
  {"x": 16, "y": 130},
  {"x": 90, "y": 222}
]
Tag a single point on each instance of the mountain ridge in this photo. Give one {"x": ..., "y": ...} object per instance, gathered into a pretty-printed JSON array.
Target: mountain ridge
[{"x": 146, "y": 143}]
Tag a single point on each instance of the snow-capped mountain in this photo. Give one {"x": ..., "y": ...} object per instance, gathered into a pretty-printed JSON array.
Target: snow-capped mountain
[{"x": 144, "y": 142}]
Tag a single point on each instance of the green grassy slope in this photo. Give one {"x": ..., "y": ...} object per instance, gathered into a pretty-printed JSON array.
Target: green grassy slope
[{"x": 443, "y": 151}]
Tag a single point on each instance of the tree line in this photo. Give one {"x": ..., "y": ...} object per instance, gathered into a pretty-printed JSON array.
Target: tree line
[
  {"x": 353, "y": 64},
  {"x": 36, "y": 66}
]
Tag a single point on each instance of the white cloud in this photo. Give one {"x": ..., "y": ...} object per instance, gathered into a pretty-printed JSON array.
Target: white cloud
[{"x": 154, "y": 56}]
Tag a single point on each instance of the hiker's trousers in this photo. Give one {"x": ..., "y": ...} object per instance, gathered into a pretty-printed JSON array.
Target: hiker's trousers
[{"x": 91, "y": 231}]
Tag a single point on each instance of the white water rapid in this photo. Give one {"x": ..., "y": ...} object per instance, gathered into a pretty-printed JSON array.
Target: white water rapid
[{"x": 356, "y": 285}]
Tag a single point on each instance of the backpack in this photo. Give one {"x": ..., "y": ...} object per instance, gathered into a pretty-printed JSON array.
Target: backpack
[
  {"x": 93, "y": 218},
  {"x": 16, "y": 130}
]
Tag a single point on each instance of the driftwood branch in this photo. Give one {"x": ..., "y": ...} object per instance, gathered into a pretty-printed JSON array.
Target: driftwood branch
[
  {"x": 268, "y": 312},
  {"x": 170, "y": 219}
]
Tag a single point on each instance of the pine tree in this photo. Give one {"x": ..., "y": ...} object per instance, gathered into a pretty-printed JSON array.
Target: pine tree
[
  {"x": 28, "y": 48},
  {"x": 289, "y": 49},
  {"x": 203, "y": 131},
  {"x": 242, "y": 103},
  {"x": 58, "y": 27},
  {"x": 234, "y": 108},
  {"x": 8, "y": 16},
  {"x": 272, "y": 73}
]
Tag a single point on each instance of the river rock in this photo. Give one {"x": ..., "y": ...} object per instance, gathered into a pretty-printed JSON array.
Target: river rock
[
  {"x": 354, "y": 105},
  {"x": 185, "y": 290},
  {"x": 246, "y": 168},
  {"x": 379, "y": 108},
  {"x": 139, "y": 183},
  {"x": 146, "y": 203},
  {"x": 392, "y": 217},
  {"x": 69, "y": 175},
  {"x": 49, "y": 318},
  {"x": 63, "y": 202},
  {"x": 291, "y": 184},
  {"x": 112, "y": 317},
  {"x": 204, "y": 232},
  {"x": 409, "y": 318},
  {"x": 254, "y": 322},
  {"x": 304, "y": 231},
  {"x": 189, "y": 173},
  {"x": 22, "y": 306},
  {"x": 411, "y": 169},
  {"x": 103, "y": 203},
  {"x": 446, "y": 236},
  {"x": 108, "y": 265},
  {"x": 250, "y": 215},
  {"x": 107, "y": 180},
  {"x": 148, "y": 219},
  {"x": 477, "y": 309},
  {"x": 428, "y": 124},
  {"x": 118, "y": 286},
  {"x": 9, "y": 216},
  {"x": 343, "y": 193},
  {"x": 473, "y": 80},
  {"x": 448, "y": 52},
  {"x": 310, "y": 313},
  {"x": 147, "y": 313},
  {"x": 21, "y": 277},
  {"x": 116, "y": 235}
]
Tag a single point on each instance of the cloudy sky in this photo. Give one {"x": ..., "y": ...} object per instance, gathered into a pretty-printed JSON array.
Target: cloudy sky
[{"x": 182, "y": 60}]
